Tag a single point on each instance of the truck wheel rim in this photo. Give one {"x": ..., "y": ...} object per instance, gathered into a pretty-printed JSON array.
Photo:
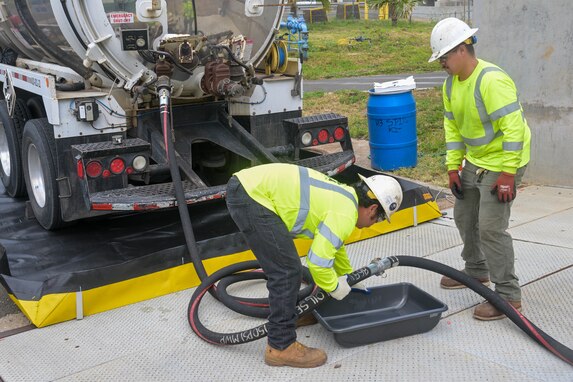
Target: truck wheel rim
[
  {"x": 4, "y": 151},
  {"x": 36, "y": 176}
]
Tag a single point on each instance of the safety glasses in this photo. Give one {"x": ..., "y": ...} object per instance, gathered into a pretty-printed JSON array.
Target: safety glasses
[{"x": 448, "y": 54}]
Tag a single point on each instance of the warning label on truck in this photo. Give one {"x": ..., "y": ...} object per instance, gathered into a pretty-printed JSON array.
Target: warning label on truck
[{"x": 121, "y": 17}]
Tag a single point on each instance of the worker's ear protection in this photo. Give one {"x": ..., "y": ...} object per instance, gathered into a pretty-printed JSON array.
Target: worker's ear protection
[{"x": 470, "y": 41}]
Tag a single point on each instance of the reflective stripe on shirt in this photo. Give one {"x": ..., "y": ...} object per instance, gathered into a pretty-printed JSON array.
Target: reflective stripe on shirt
[
  {"x": 305, "y": 183},
  {"x": 485, "y": 118}
]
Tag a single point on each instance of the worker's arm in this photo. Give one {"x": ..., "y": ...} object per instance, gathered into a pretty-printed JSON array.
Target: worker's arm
[
  {"x": 327, "y": 256},
  {"x": 342, "y": 262},
  {"x": 502, "y": 105}
]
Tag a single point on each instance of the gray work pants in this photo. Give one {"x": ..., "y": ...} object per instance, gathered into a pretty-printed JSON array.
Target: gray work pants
[
  {"x": 273, "y": 246},
  {"x": 482, "y": 222}
]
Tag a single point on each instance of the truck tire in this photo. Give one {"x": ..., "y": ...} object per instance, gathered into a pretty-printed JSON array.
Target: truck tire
[
  {"x": 10, "y": 148},
  {"x": 40, "y": 172},
  {"x": 36, "y": 107}
]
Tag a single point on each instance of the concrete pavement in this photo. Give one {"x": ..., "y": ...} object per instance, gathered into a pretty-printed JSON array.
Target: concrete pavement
[{"x": 152, "y": 341}]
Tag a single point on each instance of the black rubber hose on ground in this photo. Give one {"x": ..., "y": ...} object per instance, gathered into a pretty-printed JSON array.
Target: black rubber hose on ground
[
  {"x": 304, "y": 306},
  {"x": 253, "y": 307},
  {"x": 538, "y": 335},
  {"x": 312, "y": 301}
]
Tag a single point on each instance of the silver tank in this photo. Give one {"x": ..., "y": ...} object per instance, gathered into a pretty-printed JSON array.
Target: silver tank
[{"x": 115, "y": 37}]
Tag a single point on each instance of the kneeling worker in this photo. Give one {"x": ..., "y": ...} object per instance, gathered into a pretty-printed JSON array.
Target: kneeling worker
[{"x": 273, "y": 203}]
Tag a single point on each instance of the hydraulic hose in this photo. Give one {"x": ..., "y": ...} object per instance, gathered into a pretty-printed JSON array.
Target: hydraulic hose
[{"x": 312, "y": 301}]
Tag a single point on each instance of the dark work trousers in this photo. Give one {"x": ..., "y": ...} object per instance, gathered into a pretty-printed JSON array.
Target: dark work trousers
[
  {"x": 272, "y": 244},
  {"x": 482, "y": 222}
]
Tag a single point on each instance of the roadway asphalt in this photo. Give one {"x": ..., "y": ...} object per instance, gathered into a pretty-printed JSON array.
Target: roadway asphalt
[{"x": 423, "y": 81}]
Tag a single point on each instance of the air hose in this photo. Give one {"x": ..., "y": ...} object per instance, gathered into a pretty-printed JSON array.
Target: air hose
[{"x": 376, "y": 267}]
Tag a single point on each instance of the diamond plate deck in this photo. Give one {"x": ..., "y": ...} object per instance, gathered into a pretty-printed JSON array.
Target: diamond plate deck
[{"x": 151, "y": 340}]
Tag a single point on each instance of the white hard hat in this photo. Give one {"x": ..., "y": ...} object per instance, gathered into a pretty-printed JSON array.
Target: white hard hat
[
  {"x": 447, "y": 34},
  {"x": 386, "y": 190}
]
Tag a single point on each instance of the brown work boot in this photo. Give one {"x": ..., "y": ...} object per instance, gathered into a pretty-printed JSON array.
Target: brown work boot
[
  {"x": 296, "y": 355},
  {"x": 306, "y": 320},
  {"x": 449, "y": 283},
  {"x": 487, "y": 312}
]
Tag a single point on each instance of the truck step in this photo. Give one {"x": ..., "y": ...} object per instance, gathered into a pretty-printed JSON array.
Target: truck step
[
  {"x": 152, "y": 197},
  {"x": 108, "y": 148},
  {"x": 329, "y": 164},
  {"x": 158, "y": 196},
  {"x": 315, "y": 121}
]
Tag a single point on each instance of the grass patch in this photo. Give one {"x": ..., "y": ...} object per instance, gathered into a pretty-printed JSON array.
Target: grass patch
[
  {"x": 334, "y": 54},
  {"x": 431, "y": 166}
]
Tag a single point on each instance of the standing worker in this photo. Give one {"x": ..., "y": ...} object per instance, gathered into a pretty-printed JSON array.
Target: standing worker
[
  {"x": 484, "y": 124},
  {"x": 273, "y": 203}
]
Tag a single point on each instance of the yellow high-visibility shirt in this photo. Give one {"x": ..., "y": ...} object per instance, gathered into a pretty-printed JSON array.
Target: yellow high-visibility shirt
[
  {"x": 311, "y": 205},
  {"x": 484, "y": 121}
]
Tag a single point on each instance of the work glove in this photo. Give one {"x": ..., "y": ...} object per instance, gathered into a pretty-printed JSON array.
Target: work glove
[
  {"x": 456, "y": 184},
  {"x": 505, "y": 187},
  {"x": 360, "y": 288},
  {"x": 342, "y": 289}
]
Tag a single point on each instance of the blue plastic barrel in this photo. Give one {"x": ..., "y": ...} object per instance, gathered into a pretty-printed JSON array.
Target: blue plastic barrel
[{"x": 392, "y": 130}]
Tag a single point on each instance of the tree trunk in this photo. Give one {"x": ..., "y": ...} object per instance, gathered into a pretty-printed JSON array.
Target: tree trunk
[{"x": 393, "y": 14}]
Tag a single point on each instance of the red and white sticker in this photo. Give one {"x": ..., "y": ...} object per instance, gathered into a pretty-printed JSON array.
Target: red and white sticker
[{"x": 121, "y": 17}]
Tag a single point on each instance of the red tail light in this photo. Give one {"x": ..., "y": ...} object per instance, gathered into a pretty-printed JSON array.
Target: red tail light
[
  {"x": 80, "y": 169},
  {"x": 323, "y": 136},
  {"x": 94, "y": 169},
  {"x": 339, "y": 133},
  {"x": 117, "y": 166}
]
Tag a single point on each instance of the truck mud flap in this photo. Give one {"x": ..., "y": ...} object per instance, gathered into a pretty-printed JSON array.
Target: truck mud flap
[{"x": 111, "y": 261}]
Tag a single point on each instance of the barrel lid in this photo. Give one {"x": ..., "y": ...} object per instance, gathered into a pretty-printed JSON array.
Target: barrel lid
[{"x": 393, "y": 87}]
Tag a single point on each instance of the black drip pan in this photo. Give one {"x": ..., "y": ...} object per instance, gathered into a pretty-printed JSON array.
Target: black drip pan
[{"x": 388, "y": 312}]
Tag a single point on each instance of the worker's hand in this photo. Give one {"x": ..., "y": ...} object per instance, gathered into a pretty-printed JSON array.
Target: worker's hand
[
  {"x": 360, "y": 287},
  {"x": 342, "y": 289},
  {"x": 505, "y": 187},
  {"x": 456, "y": 184}
]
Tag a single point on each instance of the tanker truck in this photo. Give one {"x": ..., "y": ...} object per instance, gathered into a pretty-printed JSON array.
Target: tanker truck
[{"x": 101, "y": 99}]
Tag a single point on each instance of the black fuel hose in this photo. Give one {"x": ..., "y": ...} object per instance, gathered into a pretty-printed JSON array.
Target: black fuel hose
[{"x": 312, "y": 301}]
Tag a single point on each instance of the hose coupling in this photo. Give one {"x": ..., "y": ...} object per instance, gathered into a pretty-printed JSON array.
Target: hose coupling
[{"x": 378, "y": 266}]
